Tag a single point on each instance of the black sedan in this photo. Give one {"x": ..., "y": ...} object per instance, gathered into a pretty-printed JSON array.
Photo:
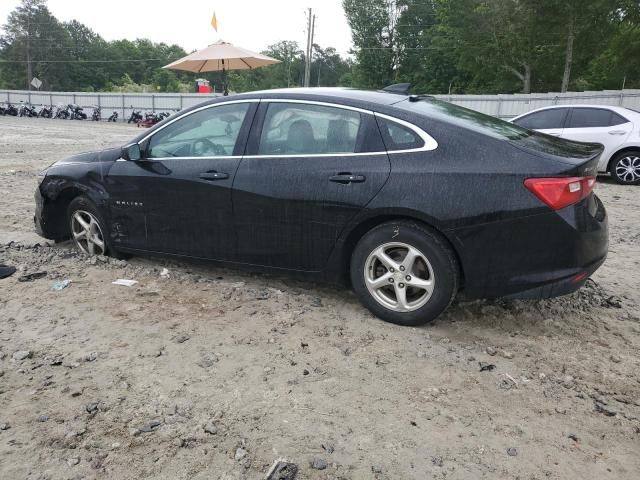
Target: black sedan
[{"x": 408, "y": 199}]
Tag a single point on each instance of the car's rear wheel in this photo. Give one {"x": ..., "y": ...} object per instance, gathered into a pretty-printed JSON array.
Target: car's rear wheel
[
  {"x": 625, "y": 168},
  {"x": 404, "y": 273},
  {"x": 87, "y": 228}
]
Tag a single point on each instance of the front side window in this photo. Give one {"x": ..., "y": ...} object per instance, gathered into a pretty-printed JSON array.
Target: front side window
[
  {"x": 299, "y": 129},
  {"x": 547, "y": 119},
  {"x": 211, "y": 132},
  {"x": 591, "y": 118}
]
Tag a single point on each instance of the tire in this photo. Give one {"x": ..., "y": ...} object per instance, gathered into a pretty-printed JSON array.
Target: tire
[
  {"x": 435, "y": 263},
  {"x": 90, "y": 214},
  {"x": 625, "y": 168}
]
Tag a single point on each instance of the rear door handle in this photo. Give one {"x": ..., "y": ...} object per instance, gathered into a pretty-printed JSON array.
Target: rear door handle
[
  {"x": 617, "y": 132},
  {"x": 346, "y": 178},
  {"x": 213, "y": 176}
]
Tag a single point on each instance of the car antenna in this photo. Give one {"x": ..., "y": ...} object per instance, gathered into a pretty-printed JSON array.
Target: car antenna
[{"x": 398, "y": 88}]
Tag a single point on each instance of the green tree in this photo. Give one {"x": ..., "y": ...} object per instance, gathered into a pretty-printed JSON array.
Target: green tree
[{"x": 373, "y": 28}]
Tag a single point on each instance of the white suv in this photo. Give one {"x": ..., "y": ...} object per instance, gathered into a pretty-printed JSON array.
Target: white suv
[{"x": 617, "y": 128}]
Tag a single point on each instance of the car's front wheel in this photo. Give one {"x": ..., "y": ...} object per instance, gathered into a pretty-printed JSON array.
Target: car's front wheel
[
  {"x": 404, "y": 272},
  {"x": 625, "y": 168},
  {"x": 87, "y": 227}
]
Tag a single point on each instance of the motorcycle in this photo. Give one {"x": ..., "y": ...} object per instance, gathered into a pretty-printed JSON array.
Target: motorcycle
[
  {"x": 11, "y": 110},
  {"x": 136, "y": 116},
  {"x": 62, "y": 112},
  {"x": 27, "y": 110},
  {"x": 96, "y": 115},
  {"x": 45, "y": 112},
  {"x": 113, "y": 117},
  {"x": 77, "y": 112}
]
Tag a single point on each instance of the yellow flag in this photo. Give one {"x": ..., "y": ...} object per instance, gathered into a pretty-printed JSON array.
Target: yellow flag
[{"x": 214, "y": 22}]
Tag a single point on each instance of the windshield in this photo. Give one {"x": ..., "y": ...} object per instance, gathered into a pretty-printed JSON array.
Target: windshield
[{"x": 465, "y": 118}]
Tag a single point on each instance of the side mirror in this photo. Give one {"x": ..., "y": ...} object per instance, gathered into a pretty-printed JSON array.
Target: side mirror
[{"x": 131, "y": 152}]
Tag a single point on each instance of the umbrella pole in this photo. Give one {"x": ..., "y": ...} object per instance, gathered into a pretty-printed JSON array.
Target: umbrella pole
[{"x": 225, "y": 87}]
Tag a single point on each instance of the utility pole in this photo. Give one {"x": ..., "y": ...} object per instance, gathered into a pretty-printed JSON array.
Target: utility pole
[
  {"x": 29, "y": 69},
  {"x": 310, "y": 32}
]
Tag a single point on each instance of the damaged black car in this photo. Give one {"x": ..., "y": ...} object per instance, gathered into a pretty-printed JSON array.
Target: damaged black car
[{"x": 408, "y": 200}]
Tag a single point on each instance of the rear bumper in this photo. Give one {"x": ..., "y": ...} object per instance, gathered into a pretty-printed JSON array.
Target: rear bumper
[
  {"x": 561, "y": 287},
  {"x": 539, "y": 256}
]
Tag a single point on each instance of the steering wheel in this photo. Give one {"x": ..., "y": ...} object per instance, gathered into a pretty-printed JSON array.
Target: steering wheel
[{"x": 207, "y": 146}]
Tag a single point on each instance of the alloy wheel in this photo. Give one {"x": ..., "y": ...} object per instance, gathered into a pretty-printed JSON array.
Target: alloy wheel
[
  {"x": 399, "y": 277},
  {"x": 87, "y": 233},
  {"x": 628, "y": 169}
]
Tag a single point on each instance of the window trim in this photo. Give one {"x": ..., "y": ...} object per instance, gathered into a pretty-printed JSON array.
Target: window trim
[{"x": 429, "y": 142}]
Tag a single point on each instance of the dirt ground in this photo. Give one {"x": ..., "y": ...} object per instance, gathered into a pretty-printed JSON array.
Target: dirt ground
[{"x": 208, "y": 373}]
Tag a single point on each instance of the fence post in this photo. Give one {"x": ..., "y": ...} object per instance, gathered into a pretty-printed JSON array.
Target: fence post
[
  {"x": 50, "y": 99},
  {"x": 8, "y": 96},
  {"x": 499, "y": 108},
  {"x": 123, "y": 113},
  {"x": 153, "y": 102},
  {"x": 99, "y": 103},
  {"x": 74, "y": 98},
  {"x": 180, "y": 96},
  {"x": 29, "y": 97},
  {"x": 621, "y": 99}
]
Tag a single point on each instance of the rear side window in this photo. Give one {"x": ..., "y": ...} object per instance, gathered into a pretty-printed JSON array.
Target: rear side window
[
  {"x": 298, "y": 128},
  {"x": 547, "y": 119},
  {"x": 398, "y": 137},
  {"x": 593, "y": 118}
]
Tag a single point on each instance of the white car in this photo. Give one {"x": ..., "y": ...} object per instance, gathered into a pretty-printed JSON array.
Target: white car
[{"x": 617, "y": 128}]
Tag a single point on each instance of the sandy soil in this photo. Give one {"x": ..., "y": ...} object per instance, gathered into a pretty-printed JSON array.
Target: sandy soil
[{"x": 214, "y": 374}]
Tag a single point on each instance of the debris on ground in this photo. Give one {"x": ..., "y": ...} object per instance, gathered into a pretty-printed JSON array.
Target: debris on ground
[
  {"x": 61, "y": 284},
  {"x": 282, "y": 470},
  {"x": 486, "y": 367},
  {"x": 21, "y": 355},
  {"x": 6, "y": 271},
  {"x": 319, "y": 464},
  {"x": 30, "y": 277},
  {"x": 125, "y": 282}
]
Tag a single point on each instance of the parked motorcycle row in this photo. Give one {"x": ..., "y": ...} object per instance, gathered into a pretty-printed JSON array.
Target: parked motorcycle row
[{"x": 75, "y": 112}]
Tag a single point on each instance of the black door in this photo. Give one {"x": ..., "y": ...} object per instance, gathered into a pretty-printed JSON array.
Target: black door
[
  {"x": 306, "y": 174},
  {"x": 177, "y": 199}
]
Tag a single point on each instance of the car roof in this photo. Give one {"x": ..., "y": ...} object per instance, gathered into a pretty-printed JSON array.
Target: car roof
[
  {"x": 621, "y": 110},
  {"x": 367, "y": 99}
]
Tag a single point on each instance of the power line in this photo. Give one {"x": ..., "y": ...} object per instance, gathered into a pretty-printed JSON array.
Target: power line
[{"x": 91, "y": 61}]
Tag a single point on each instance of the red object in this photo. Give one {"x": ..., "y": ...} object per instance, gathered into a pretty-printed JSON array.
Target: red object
[
  {"x": 561, "y": 192},
  {"x": 204, "y": 89}
]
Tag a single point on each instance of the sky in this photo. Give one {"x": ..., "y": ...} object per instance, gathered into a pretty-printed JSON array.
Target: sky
[{"x": 252, "y": 24}]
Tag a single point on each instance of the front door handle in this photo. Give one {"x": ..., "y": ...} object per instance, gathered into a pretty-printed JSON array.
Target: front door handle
[
  {"x": 346, "y": 178},
  {"x": 617, "y": 132},
  {"x": 213, "y": 176}
]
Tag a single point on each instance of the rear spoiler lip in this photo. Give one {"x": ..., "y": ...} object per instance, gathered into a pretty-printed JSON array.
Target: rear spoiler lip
[{"x": 586, "y": 165}]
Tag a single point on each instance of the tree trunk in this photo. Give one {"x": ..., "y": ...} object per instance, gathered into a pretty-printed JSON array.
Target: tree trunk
[
  {"x": 526, "y": 82},
  {"x": 525, "y": 77},
  {"x": 568, "y": 61}
]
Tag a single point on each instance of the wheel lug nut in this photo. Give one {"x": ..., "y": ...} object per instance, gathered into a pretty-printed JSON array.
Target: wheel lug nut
[
  {"x": 402, "y": 268},
  {"x": 392, "y": 270},
  {"x": 391, "y": 280},
  {"x": 408, "y": 277},
  {"x": 401, "y": 285}
]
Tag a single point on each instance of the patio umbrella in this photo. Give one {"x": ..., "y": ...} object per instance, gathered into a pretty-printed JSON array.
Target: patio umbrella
[{"x": 221, "y": 56}]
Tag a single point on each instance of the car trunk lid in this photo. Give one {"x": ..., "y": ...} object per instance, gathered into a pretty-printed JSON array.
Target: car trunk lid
[{"x": 581, "y": 159}]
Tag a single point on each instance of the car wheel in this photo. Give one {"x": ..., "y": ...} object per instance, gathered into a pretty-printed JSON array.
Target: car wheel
[
  {"x": 88, "y": 228},
  {"x": 625, "y": 168},
  {"x": 404, "y": 273}
]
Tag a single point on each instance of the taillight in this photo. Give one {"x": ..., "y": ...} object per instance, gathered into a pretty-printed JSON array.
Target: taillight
[{"x": 560, "y": 192}]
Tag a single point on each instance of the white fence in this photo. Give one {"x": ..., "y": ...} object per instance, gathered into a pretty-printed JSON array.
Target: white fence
[
  {"x": 503, "y": 106},
  {"x": 509, "y": 106}
]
